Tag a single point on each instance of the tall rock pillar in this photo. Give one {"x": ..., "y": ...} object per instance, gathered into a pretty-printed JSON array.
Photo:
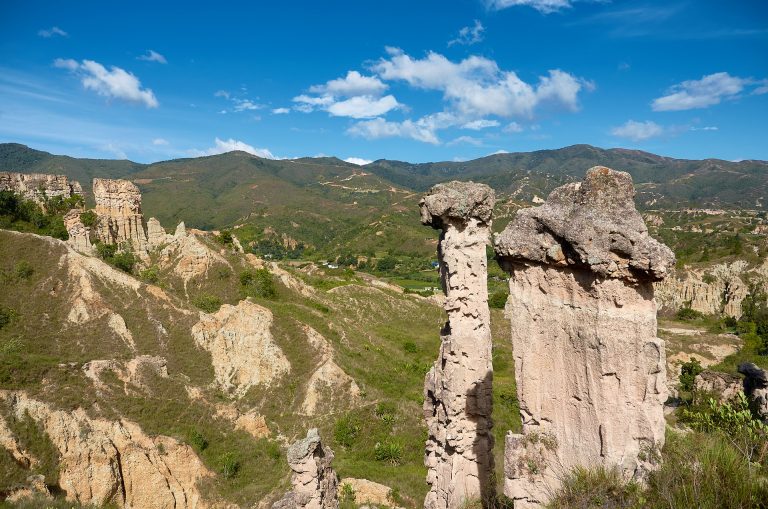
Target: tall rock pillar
[
  {"x": 457, "y": 390},
  {"x": 118, "y": 207},
  {"x": 589, "y": 368}
]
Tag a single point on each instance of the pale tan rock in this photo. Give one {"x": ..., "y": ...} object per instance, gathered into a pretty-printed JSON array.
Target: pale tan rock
[
  {"x": 39, "y": 186},
  {"x": 242, "y": 348},
  {"x": 156, "y": 235},
  {"x": 11, "y": 444},
  {"x": 590, "y": 371},
  {"x": 314, "y": 483},
  {"x": 189, "y": 258},
  {"x": 723, "y": 386},
  {"x": 114, "y": 462},
  {"x": 118, "y": 207},
  {"x": 368, "y": 492},
  {"x": 79, "y": 234},
  {"x": 688, "y": 290},
  {"x": 132, "y": 373},
  {"x": 328, "y": 385},
  {"x": 457, "y": 390},
  {"x": 181, "y": 230}
]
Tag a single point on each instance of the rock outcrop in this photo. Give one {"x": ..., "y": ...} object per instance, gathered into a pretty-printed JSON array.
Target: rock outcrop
[
  {"x": 756, "y": 388},
  {"x": 156, "y": 234},
  {"x": 457, "y": 390},
  {"x": 367, "y": 492},
  {"x": 79, "y": 234},
  {"x": 114, "y": 462},
  {"x": 590, "y": 371},
  {"x": 328, "y": 385},
  {"x": 313, "y": 480},
  {"x": 242, "y": 348},
  {"x": 118, "y": 207},
  {"x": 711, "y": 298},
  {"x": 722, "y": 386},
  {"x": 39, "y": 186}
]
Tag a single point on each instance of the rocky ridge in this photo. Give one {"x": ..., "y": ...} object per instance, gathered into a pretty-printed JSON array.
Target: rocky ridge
[{"x": 39, "y": 186}]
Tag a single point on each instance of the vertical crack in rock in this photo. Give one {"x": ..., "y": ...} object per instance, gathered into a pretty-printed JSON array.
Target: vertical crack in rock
[
  {"x": 589, "y": 368},
  {"x": 756, "y": 388},
  {"x": 313, "y": 479},
  {"x": 457, "y": 390}
]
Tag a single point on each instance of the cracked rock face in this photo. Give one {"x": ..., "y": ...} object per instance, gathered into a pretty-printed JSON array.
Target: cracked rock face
[
  {"x": 38, "y": 186},
  {"x": 313, "y": 479},
  {"x": 118, "y": 206},
  {"x": 756, "y": 388},
  {"x": 590, "y": 371},
  {"x": 457, "y": 390}
]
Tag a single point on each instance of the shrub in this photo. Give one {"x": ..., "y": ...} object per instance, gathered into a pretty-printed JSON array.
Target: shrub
[
  {"x": 23, "y": 270},
  {"x": 198, "y": 441},
  {"x": 6, "y": 316},
  {"x": 208, "y": 303},
  {"x": 225, "y": 238},
  {"x": 388, "y": 452},
  {"x": 125, "y": 261},
  {"x": 386, "y": 264},
  {"x": 686, "y": 313},
  {"x": 688, "y": 372},
  {"x": 151, "y": 275},
  {"x": 89, "y": 218},
  {"x": 346, "y": 430},
  {"x": 258, "y": 283},
  {"x": 498, "y": 299},
  {"x": 230, "y": 466},
  {"x": 105, "y": 251},
  {"x": 410, "y": 347}
]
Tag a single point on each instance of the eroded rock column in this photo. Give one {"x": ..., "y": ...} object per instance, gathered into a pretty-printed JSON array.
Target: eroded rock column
[
  {"x": 118, "y": 206},
  {"x": 314, "y": 481},
  {"x": 590, "y": 370},
  {"x": 457, "y": 390}
]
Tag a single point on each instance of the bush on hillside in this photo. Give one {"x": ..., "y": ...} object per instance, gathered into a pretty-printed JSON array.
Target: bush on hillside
[
  {"x": 688, "y": 372},
  {"x": 258, "y": 283},
  {"x": 498, "y": 299}
]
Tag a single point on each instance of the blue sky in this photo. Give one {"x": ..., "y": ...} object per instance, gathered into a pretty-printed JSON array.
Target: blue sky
[{"x": 415, "y": 81}]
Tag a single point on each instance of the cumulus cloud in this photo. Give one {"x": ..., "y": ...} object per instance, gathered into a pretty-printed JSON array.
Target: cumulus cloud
[
  {"x": 708, "y": 91},
  {"x": 52, "y": 32},
  {"x": 543, "y": 6},
  {"x": 239, "y": 104},
  {"x": 160, "y": 142},
  {"x": 380, "y": 128},
  {"x": 281, "y": 111},
  {"x": 354, "y": 96},
  {"x": 476, "y": 86},
  {"x": 114, "y": 83},
  {"x": 223, "y": 146},
  {"x": 513, "y": 127},
  {"x": 466, "y": 140},
  {"x": 358, "y": 161},
  {"x": 469, "y": 35},
  {"x": 153, "y": 56},
  {"x": 482, "y": 123},
  {"x": 638, "y": 131},
  {"x": 352, "y": 84}
]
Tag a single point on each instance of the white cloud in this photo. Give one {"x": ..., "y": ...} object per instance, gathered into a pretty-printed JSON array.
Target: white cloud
[
  {"x": 469, "y": 35},
  {"x": 353, "y": 84},
  {"x": 466, "y": 140},
  {"x": 705, "y": 128},
  {"x": 221, "y": 93},
  {"x": 223, "y": 146},
  {"x": 281, "y": 111},
  {"x": 160, "y": 142},
  {"x": 52, "y": 32},
  {"x": 153, "y": 56},
  {"x": 380, "y": 128},
  {"x": 500, "y": 151},
  {"x": 707, "y": 91},
  {"x": 363, "y": 106},
  {"x": 543, "y": 6},
  {"x": 246, "y": 105},
  {"x": 115, "y": 150},
  {"x": 476, "y": 87},
  {"x": 482, "y": 123},
  {"x": 638, "y": 131},
  {"x": 513, "y": 127},
  {"x": 114, "y": 83},
  {"x": 354, "y": 96},
  {"x": 358, "y": 161},
  {"x": 240, "y": 103}
]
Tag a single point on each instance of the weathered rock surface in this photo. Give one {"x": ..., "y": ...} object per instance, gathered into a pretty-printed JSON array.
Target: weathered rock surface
[
  {"x": 188, "y": 256},
  {"x": 79, "y": 234},
  {"x": 156, "y": 234},
  {"x": 38, "y": 186},
  {"x": 242, "y": 348},
  {"x": 314, "y": 482},
  {"x": 712, "y": 298},
  {"x": 328, "y": 385},
  {"x": 114, "y": 462},
  {"x": 368, "y": 492},
  {"x": 457, "y": 390},
  {"x": 756, "y": 388},
  {"x": 590, "y": 371},
  {"x": 723, "y": 386},
  {"x": 118, "y": 207}
]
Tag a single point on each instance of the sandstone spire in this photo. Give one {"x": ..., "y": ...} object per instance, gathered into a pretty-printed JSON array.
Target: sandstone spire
[
  {"x": 457, "y": 390},
  {"x": 313, "y": 479},
  {"x": 589, "y": 367},
  {"x": 118, "y": 206}
]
